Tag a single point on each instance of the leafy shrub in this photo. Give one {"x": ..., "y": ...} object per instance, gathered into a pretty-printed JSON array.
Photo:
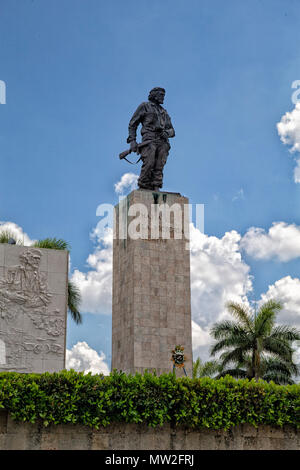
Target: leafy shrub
[{"x": 97, "y": 400}]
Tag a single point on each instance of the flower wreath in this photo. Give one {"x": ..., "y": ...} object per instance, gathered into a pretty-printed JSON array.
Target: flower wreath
[{"x": 178, "y": 357}]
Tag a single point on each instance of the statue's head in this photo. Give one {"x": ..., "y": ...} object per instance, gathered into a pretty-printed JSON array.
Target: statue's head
[
  {"x": 157, "y": 95},
  {"x": 31, "y": 257}
]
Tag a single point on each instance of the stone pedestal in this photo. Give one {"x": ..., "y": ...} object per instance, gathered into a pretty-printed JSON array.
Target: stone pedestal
[
  {"x": 33, "y": 309},
  {"x": 151, "y": 283}
]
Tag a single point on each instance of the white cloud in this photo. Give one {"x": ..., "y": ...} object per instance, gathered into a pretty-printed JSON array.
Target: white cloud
[
  {"x": 17, "y": 232},
  {"x": 82, "y": 358},
  {"x": 96, "y": 284},
  {"x": 127, "y": 182},
  {"x": 286, "y": 290},
  {"x": 218, "y": 274},
  {"x": 201, "y": 341},
  {"x": 289, "y": 131},
  {"x": 297, "y": 172},
  {"x": 201, "y": 337},
  {"x": 282, "y": 241}
]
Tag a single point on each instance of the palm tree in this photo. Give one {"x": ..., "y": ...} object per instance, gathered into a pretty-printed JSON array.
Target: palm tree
[
  {"x": 273, "y": 369},
  {"x": 206, "y": 369},
  {"x": 253, "y": 347},
  {"x": 74, "y": 296}
]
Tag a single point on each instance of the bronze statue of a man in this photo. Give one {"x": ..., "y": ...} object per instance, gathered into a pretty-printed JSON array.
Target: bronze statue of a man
[{"x": 156, "y": 130}]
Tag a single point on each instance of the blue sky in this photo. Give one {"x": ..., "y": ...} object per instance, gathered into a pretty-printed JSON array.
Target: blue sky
[{"x": 75, "y": 70}]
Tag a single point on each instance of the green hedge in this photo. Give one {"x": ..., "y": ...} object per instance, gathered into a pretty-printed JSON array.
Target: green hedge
[{"x": 95, "y": 400}]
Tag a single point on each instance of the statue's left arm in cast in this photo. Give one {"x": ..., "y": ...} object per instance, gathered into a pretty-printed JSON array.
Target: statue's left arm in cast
[
  {"x": 136, "y": 119},
  {"x": 168, "y": 131}
]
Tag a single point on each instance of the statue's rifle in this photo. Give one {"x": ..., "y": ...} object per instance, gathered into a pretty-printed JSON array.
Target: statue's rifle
[{"x": 124, "y": 154}]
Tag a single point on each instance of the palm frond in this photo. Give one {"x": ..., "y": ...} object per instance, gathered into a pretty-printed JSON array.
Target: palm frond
[
  {"x": 235, "y": 356},
  {"x": 52, "y": 244},
  {"x": 6, "y": 235},
  {"x": 265, "y": 318},
  {"x": 278, "y": 365},
  {"x": 236, "y": 337},
  {"x": 226, "y": 328},
  {"x": 278, "y": 347},
  {"x": 210, "y": 368},
  {"x": 74, "y": 300},
  {"x": 241, "y": 313},
  {"x": 278, "y": 377},
  {"x": 285, "y": 333},
  {"x": 205, "y": 369},
  {"x": 197, "y": 365}
]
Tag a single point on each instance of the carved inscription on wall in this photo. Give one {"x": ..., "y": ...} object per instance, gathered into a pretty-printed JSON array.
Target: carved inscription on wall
[{"x": 32, "y": 328}]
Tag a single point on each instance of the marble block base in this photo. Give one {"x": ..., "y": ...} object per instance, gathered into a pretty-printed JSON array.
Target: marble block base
[{"x": 151, "y": 285}]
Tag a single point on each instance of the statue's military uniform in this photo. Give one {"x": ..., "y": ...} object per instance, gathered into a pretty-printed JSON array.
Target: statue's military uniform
[{"x": 157, "y": 128}]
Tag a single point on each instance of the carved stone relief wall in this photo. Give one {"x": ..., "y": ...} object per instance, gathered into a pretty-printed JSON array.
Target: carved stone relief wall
[{"x": 33, "y": 309}]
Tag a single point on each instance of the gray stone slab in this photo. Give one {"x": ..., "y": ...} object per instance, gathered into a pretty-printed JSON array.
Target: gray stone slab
[
  {"x": 2, "y": 254},
  {"x": 33, "y": 306},
  {"x": 57, "y": 261},
  {"x": 57, "y": 283}
]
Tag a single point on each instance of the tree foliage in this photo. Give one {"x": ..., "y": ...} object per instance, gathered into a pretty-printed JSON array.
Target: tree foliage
[
  {"x": 52, "y": 244},
  {"x": 205, "y": 369},
  {"x": 97, "y": 400},
  {"x": 252, "y": 346}
]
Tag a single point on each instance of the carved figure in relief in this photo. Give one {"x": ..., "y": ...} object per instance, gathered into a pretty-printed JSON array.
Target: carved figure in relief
[
  {"x": 20, "y": 348},
  {"x": 24, "y": 295},
  {"x": 13, "y": 349},
  {"x": 53, "y": 325},
  {"x": 24, "y": 284}
]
